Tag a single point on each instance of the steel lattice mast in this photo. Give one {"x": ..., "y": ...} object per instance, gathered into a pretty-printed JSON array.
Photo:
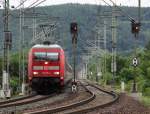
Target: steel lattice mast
[
  {"x": 114, "y": 42},
  {"x": 5, "y": 92}
]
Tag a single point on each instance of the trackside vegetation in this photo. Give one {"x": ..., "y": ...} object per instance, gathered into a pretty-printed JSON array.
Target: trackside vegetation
[{"x": 125, "y": 71}]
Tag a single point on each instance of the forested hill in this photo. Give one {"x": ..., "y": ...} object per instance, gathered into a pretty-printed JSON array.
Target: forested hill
[{"x": 86, "y": 16}]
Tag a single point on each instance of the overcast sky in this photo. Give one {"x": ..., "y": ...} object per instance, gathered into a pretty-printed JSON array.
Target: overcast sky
[{"x": 144, "y": 3}]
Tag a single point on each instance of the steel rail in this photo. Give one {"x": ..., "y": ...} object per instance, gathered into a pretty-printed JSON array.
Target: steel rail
[
  {"x": 74, "y": 105},
  {"x": 25, "y": 101},
  {"x": 16, "y": 99},
  {"x": 85, "y": 110}
]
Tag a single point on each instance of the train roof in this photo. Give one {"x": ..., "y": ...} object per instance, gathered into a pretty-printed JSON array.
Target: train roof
[{"x": 47, "y": 46}]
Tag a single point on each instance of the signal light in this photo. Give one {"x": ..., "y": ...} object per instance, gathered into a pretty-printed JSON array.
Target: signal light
[
  {"x": 135, "y": 27},
  {"x": 74, "y": 31}
]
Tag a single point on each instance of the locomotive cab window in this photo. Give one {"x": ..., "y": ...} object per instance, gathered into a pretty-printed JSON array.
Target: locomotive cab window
[
  {"x": 39, "y": 56},
  {"x": 52, "y": 56}
]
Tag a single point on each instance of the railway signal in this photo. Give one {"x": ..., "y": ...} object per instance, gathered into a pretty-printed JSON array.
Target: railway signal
[
  {"x": 74, "y": 28},
  {"x": 135, "y": 62},
  {"x": 135, "y": 27},
  {"x": 74, "y": 33}
]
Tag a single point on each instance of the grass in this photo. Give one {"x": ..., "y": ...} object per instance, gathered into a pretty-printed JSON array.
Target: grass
[{"x": 146, "y": 100}]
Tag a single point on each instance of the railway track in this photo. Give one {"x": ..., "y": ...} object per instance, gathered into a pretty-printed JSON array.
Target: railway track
[
  {"x": 24, "y": 100},
  {"x": 27, "y": 99},
  {"x": 94, "y": 101},
  {"x": 16, "y": 105},
  {"x": 16, "y": 99}
]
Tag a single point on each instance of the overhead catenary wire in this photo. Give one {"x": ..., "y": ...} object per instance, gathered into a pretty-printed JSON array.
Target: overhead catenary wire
[
  {"x": 122, "y": 11},
  {"x": 33, "y": 3},
  {"x": 15, "y": 8},
  {"x": 22, "y": 3},
  {"x": 31, "y": 6}
]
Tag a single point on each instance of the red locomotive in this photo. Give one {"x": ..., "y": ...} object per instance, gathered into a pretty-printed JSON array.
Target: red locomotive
[{"x": 47, "y": 67}]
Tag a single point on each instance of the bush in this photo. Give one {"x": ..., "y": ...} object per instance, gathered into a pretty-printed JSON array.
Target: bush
[
  {"x": 128, "y": 86},
  {"x": 147, "y": 91},
  {"x": 140, "y": 83},
  {"x": 14, "y": 83},
  {"x": 146, "y": 101}
]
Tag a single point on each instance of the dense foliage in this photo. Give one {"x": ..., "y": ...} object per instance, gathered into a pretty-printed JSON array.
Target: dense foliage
[{"x": 87, "y": 18}]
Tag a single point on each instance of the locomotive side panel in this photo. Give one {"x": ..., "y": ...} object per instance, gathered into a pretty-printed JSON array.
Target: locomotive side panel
[{"x": 62, "y": 67}]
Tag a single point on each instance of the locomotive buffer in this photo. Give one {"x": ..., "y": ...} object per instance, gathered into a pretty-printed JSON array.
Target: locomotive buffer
[{"x": 74, "y": 33}]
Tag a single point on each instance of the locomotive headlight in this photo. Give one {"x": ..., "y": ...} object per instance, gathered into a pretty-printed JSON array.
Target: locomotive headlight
[
  {"x": 35, "y": 73},
  {"x": 46, "y": 63},
  {"x": 57, "y": 73}
]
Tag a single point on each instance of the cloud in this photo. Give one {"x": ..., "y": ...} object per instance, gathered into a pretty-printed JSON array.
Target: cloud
[{"x": 144, "y": 3}]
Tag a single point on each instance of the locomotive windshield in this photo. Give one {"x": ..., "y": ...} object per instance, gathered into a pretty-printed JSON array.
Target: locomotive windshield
[
  {"x": 50, "y": 56},
  {"x": 39, "y": 56}
]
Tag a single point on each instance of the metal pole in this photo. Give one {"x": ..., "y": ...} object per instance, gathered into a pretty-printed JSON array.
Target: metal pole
[
  {"x": 136, "y": 35},
  {"x": 74, "y": 84},
  {"x": 5, "y": 30},
  {"x": 139, "y": 12},
  {"x": 74, "y": 54},
  {"x": 23, "y": 53},
  {"x": 105, "y": 47},
  {"x": 34, "y": 27},
  {"x": 114, "y": 32},
  {"x": 98, "y": 66},
  {"x": 7, "y": 45},
  {"x": 20, "y": 47},
  {"x": 134, "y": 89},
  {"x": 74, "y": 59},
  {"x": 96, "y": 72},
  {"x": 73, "y": 30},
  {"x": 86, "y": 71},
  {"x": 87, "y": 75}
]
